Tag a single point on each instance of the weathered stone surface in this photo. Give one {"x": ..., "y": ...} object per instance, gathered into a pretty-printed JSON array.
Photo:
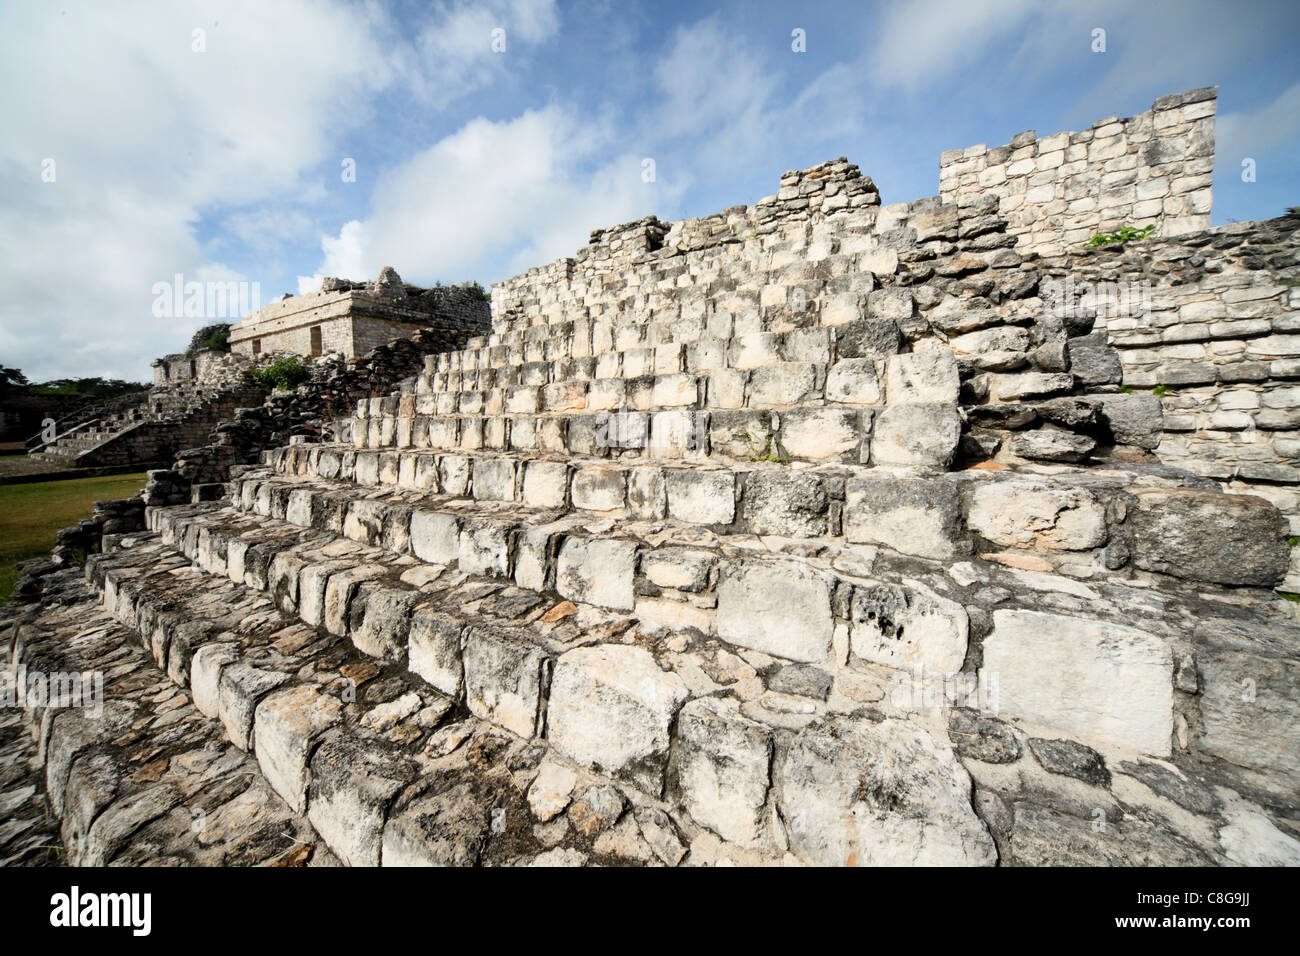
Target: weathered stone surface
[
  {"x": 982, "y": 738},
  {"x": 596, "y": 809},
  {"x": 1072, "y": 759},
  {"x": 597, "y": 489},
  {"x": 380, "y": 620},
  {"x": 1093, "y": 361},
  {"x": 503, "y": 678},
  {"x": 702, "y": 497},
  {"x": 1251, "y": 839},
  {"x": 288, "y": 722},
  {"x": 1045, "y": 836},
  {"x": 683, "y": 569},
  {"x": 353, "y": 780},
  {"x": 1251, "y": 705},
  {"x": 597, "y": 571},
  {"x": 823, "y": 434},
  {"x": 853, "y": 381},
  {"x": 803, "y": 680},
  {"x": 242, "y": 688},
  {"x": 780, "y": 610},
  {"x": 441, "y": 828},
  {"x": 858, "y": 793},
  {"x": 612, "y": 707},
  {"x": 660, "y": 835},
  {"x": 551, "y": 789},
  {"x": 1132, "y": 419},
  {"x": 927, "y": 376},
  {"x": 205, "y": 675},
  {"x": 434, "y": 649},
  {"x": 546, "y": 484},
  {"x": 908, "y": 628},
  {"x": 1099, "y": 681},
  {"x": 1052, "y": 444},
  {"x": 1026, "y": 515},
  {"x": 916, "y": 435},
  {"x": 1206, "y": 536},
  {"x": 721, "y": 763},
  {"x": 910, "y": 515},
  {"x": 339, "y": 592},
  {"x": 788, "y": 504},
  {"x": 1172, "y": 784},
  {"x": 485, "y": 547}
]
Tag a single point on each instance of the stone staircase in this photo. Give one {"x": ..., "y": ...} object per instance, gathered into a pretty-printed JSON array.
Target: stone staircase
[
  {"x": 681, "y": 567},
  {"x": 151, "y": 431}
]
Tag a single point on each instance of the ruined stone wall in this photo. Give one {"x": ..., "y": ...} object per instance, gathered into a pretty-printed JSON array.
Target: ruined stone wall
[
  {"x": 1152, "y": 169},
  {"x": 353, "y": 317},
  {"x": 1209, "y": 321}
]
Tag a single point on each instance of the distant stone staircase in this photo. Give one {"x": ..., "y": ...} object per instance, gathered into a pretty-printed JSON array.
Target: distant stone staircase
[{"x": 150, "y": 433}]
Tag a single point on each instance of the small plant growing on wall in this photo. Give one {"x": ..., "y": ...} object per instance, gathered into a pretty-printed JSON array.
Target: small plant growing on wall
[
  {"x": 285, "y": 372},
  {"x": 1121, "y": 235}
]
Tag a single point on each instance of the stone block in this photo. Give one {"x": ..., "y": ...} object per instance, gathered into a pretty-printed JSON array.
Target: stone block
[
  {"x": 287, "y": 725},
  {"x": 611, "y": 707},
  {"x": 908, "y": 628},
  {"x": 503, "y": 678},
  {"x": 354, "y": 779},
  {"x": 599, "y": 489},
  {"x": 916, "y": 436},
  {"x": 927, "y": 376},
  {"x": 857, "y": 793},
  {"x": 242, "y": 688},
  {"x": 435, "y": 537},
  {"x": 1202, "y": 535},
  {"x": 546, "y": 484},
  {"x": 597, "y": 571},
  {"x": 721, "y": 766},
  {"x": 781, "y": 502},
  {"x": 1033, "y": 516},
  {"x": 780, "y": 385},
  {"x": 910, "y": 515},
  {"x": 494, "y": 479},
  {"x": 701, "y": 497},
  {"x": 853, "y": 382},
  {"x": 777, "y": 608},
  {"x": 682, "y": 569},
  {"x": 824, "y": 433},
  {"x": 1108, "y": 684}
]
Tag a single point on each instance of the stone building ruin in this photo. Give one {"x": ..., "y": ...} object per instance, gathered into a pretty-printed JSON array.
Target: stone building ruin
[
  {"x": 352, "y": 318},
  {"x": 817, "y": 531}
]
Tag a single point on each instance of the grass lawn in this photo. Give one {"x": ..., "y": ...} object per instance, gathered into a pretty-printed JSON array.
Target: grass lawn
[{"x": 31, "y": 514}]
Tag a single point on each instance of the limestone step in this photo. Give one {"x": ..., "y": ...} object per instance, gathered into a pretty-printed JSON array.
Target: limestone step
[
  {"x": 130, "y": 772},
  {"x": 368, "y": 752},
  {"x": 725, "y": 750},
  {"x": 1067, "y": 520},
  {"x": 835, "y": 609},
  {"x": 610, "y": 714},
  {"x": 804, "y": 432},
  {"x": 376, "y": 756}
]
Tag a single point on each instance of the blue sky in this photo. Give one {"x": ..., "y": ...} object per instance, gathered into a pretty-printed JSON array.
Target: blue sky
[{"x": 225, "y": 162}]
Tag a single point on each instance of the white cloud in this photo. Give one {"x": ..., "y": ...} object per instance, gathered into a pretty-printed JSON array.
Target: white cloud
[
  {"x": 453, "y": 53},
  {"x": 924, "y": 41},
  {"x": 149, "y": 136},
  {"x": 1254, "y": 132},
  {"x": 524, "y": 191}
]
